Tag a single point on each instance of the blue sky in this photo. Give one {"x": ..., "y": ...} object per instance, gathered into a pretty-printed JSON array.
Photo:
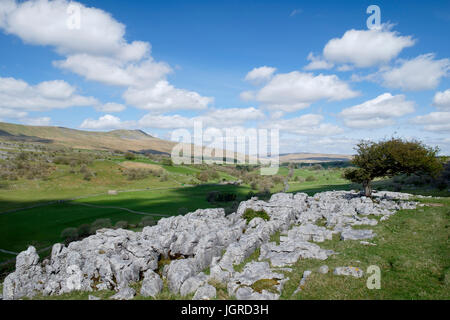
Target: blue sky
[{"x": 311, "y": 69}]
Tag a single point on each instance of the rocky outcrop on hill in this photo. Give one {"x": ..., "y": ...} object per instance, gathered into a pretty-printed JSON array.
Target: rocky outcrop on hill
[{"x": 113, "y": 259}]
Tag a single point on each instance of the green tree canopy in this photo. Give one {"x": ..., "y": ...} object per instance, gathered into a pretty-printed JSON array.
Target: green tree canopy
[{"x": 391, "y": 157}]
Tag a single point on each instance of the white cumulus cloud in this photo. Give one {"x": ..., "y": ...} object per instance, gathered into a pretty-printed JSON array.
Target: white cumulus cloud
[
  {"x": 163, "y": 97},
  {"x": 317, "y": 63},
  {"x": 366, "y": 48},
  {"x": 305, "y": 125},
  {"x": 47, "y": 95},
  {"x": 420, "y": 73},
  {"x": 434, "y": 121},
  {"x": 260, "y": 75},
  {"x": 105, "y": 122},
  {"x": 378, "y": 112},
  {"x": 97, "y": 50},
  {"x": 442, "y": 100},
  {"x": 296, "y": 90}
]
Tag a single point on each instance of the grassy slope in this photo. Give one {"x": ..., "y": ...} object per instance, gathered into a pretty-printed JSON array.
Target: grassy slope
[
  {"x": 65, "y": 185},
  {"x": 114, "y": 140},
  {"x": 412, "y": 252}
]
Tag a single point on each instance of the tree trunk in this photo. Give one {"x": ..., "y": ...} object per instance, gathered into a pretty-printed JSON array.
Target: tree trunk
[{"x": 367, "y": 188}]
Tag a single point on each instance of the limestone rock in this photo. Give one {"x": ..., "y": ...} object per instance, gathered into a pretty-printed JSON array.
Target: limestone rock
[
  {"x": 125, "y": 293},
  {"x": 323, "y": 269},
  {"x": 151, "y": 285},
  {"x": 193, "y": 283},
  {"x": 302, "y": 283},
  {"x": 353, "y": 234},
  {"x": 349, "y": 271},
  {"x": 178, "y": 272},
  {"x": 206, "y": 292}
]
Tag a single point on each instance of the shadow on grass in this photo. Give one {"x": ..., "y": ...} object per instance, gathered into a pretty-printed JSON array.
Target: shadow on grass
[{"x": 42, "y": 225}]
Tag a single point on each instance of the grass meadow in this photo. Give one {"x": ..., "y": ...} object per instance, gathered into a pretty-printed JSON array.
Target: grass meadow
[{"x": 412, "y": 248}]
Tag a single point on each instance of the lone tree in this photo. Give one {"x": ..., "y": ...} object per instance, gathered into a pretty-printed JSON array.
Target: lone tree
[{"x": 388, "y": 158}]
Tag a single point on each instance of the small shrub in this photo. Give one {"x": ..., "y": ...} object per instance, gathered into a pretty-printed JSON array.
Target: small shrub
[
  {"x": 212, "y": 196},
  {"x": 61, "y": 160},
  {"x": 216, "y": 196},
  {"x": 22, "y": 156},
  {"x": 88, "y": 176},
  {"x": 130, "y": 156},
  {"x": 100, "y": 224},
  {"x": 167, "y": 162},
  {"x": 442, "y": 185},
  {"x": 148, "y": 221},
  {"x": 250, "y": 195},
  {"x": 69, "y": 234},
  {"x": 136, "y": 173},
  {"x": 203, "y": 176},
  {"x": 233, "y": 208},
  {"x": 121, "y": 225},
  {"x": 277, "y": 179},
  {"x": 250, "y": 214},
  {"x": 84, "y": 230},
  {"x": 311, "y": 178}
]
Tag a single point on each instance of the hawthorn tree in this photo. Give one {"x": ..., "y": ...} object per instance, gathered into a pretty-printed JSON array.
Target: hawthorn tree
[{"x": 387, "y": 158}]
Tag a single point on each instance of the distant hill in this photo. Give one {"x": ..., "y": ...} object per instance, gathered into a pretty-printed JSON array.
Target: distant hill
[
  {"x": 123, "y": 140},
  {"x": 313, "y": 157}
]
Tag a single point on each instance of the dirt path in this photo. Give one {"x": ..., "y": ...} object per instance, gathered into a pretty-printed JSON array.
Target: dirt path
[
  {"x": 9, "y": 252},
  {"x": 119, "y": 208}
]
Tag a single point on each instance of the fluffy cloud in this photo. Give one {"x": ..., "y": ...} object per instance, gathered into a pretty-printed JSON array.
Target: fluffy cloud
[
  {"x": 378, "y": 112},
  {"x": 366, "y": 48},
  {"x": 420, "y": 73},
  {"x": 163, "y": 97},
  {"x": 260, "y": 75},
  {"x": 317, "y": 63},
  {"x": 332, "y": 145},
  {"x": 434, "y": 121},
  {"x": 306, "y": 125},
  {"x": 295, "y": 90},
  {"x": 442, "y": 100},
  {"x": 115, "y": 72},
  {"x": 231, "y": 116},
  {"x": 12, "y": 114},
  {"x": 43, "y": 22},
  {"x": 47, "y": 95},
  {"x": 165, "y": 121},
  {"x": 219, "y": 118},
  {"x": 105, "y": 122},
  {"x": 97, "y": 51}
]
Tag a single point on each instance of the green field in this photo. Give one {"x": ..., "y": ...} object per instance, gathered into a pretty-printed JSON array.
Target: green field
[
  {"x": 412, "y": 252},
  {"x": 42, "y": 226},
  {"x": 412, "y": 247}
]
